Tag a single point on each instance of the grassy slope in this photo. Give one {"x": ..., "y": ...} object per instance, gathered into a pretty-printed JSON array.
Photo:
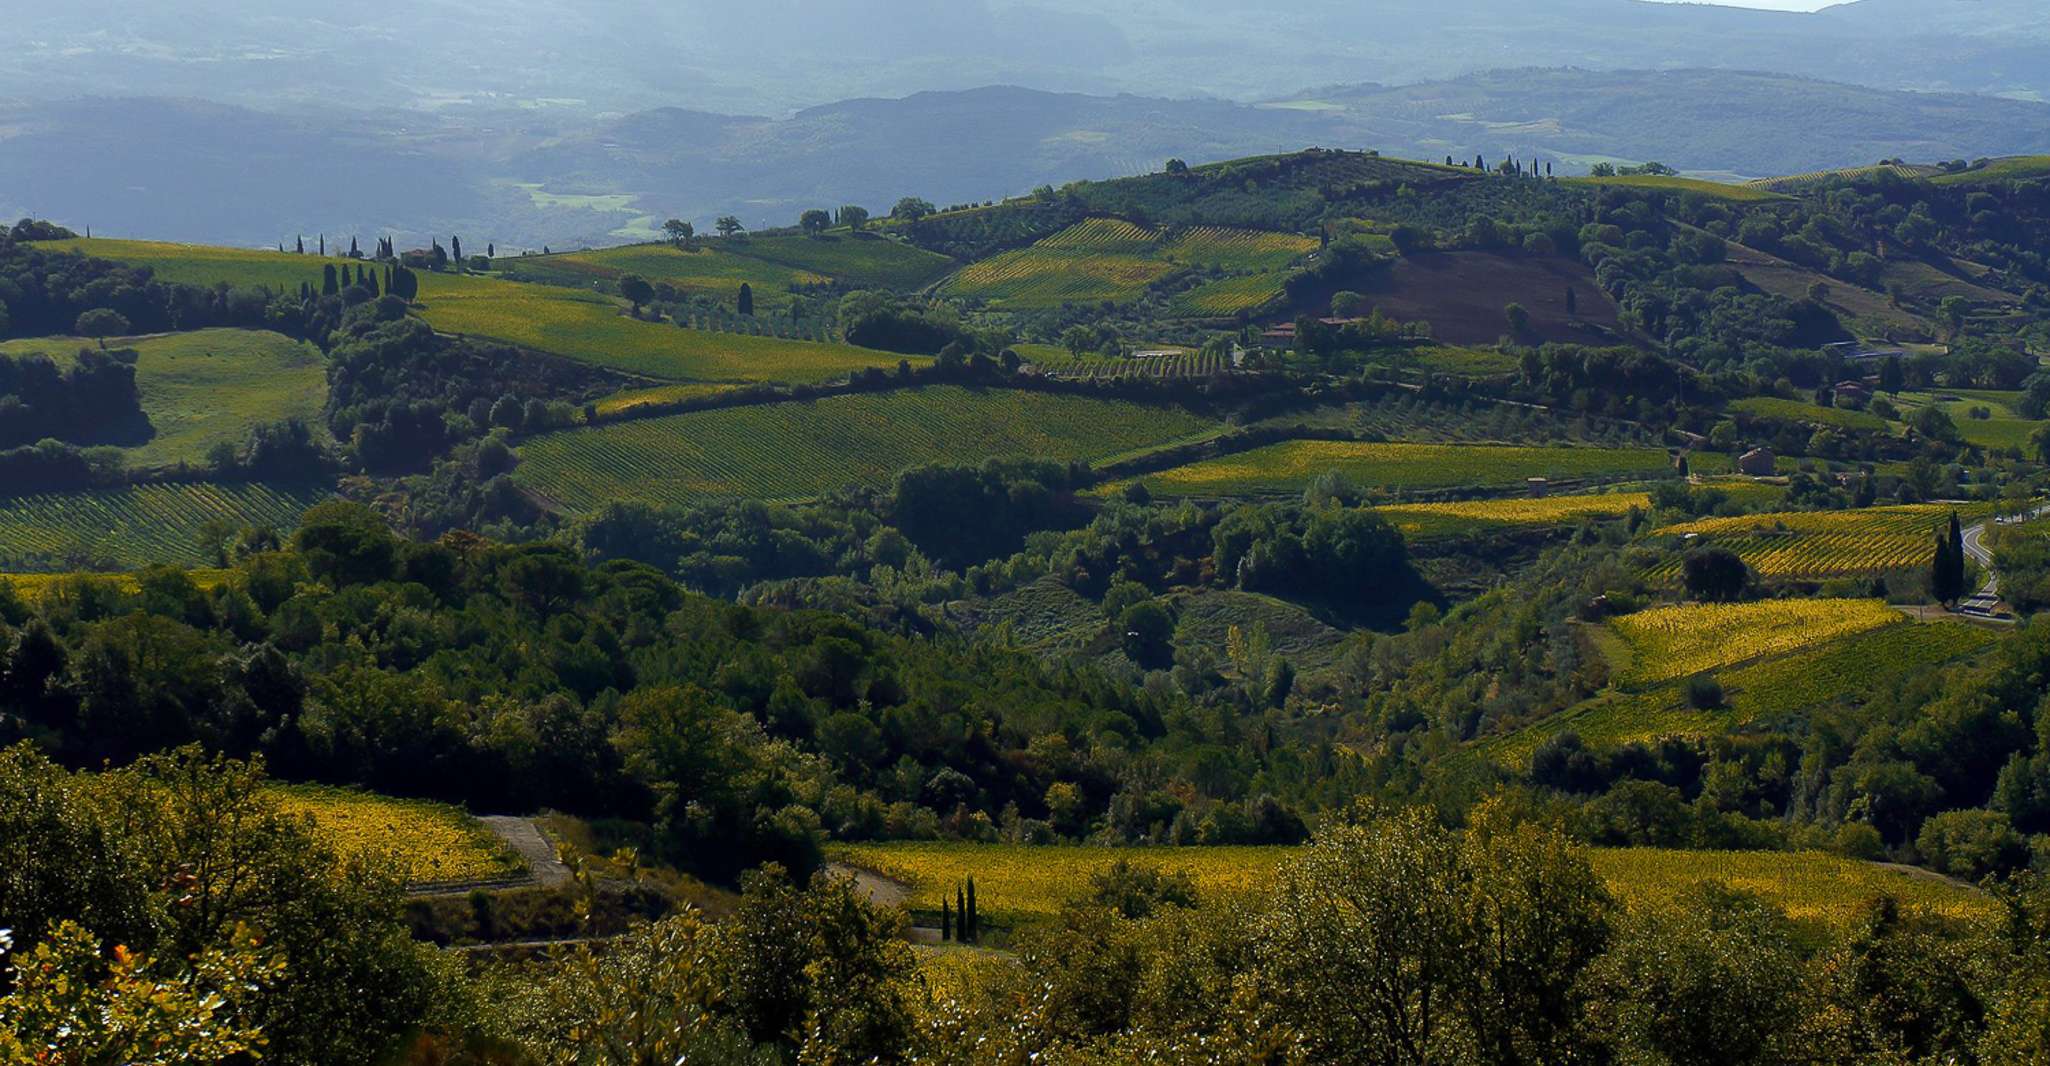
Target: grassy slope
[
  {"x": 855, "y": 262},
  {"x": 706, "y": 271},
  {"x": 1800, "y": 411},
  {"x": 1713, "y": 189},
  {"x": 1106, "y": 259},
  {"x": 593, "y": 329},
  {"x": 1290, "y": 466},
  {"x": 199, "y": 264},
  {"x": 797, "y": 450},
  {"x": 208, "y": 387}
]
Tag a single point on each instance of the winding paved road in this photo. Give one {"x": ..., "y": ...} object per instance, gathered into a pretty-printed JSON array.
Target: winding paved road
[{"x": 1985, "y": 602}]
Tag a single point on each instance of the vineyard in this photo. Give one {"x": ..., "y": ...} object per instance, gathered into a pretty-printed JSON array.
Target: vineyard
[
  {"x": 2013, "y": 168},
  {"x": 1290, "y": 466},
  {"x": 1446, "y": 519},
  {"x": 119, "y": 529},
  {"x": 430, "y": 842},
  {"x": 1165, "y": 364},
  {"x": 1015, "y": 883},
  {"x": 1850, "y": 669},
  {"x": 1816, "y": 545},
  {"x": 596, "y": 330},
  {"x": 210, "y": 387},
  {"x": 1108, "y": 259},
  {"x": 1797, "y": 182},
  {"x": 1246, "y": 294},
  {"x": 800, "y": 450},
  {"x": 1667, "y": 643}
]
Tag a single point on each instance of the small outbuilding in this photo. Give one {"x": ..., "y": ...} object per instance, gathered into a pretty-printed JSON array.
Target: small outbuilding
[{"x": 1758, "y": 462}]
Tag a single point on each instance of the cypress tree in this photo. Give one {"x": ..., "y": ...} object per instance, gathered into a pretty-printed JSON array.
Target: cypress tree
[
  {"x": 323, "y": 245},
  {"x": 946, "y": 921},
  {"x": 353, "y": 250},
  {"x": 299, "y": 246},
  {"x": 328, "y": 285},
  {"x": 490, "y": 251},
  {"x": 747, "y": 299},
  {"x": 1957, "y": 556},
  {"x": 1572, "y": 302},
  {"x": 455, "y": 251},
  {"x": 967, "y": 932},
  {"x": 974, "y": 915}
]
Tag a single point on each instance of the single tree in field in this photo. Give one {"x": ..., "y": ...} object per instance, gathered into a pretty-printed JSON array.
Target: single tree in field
[
  {"x": 490, "y": 250},
  {"x": 299, "y": 246},
  {"x": 854, "y": 217},
  {"x": 679, "y": 231},
  {"x": 1572, "y": 303},
  {"x": 747, "y": 299},
  {"x": 455, "y": 252},
  {"x": 636, "y": 290},
  {"x": 101, "y": 323},
  {"x": 1176, "y": 166},
  {"x": 728, "y": 225},
  {"x": 1518, "y": 319},
  {"x": 814, "y": 221},
  {"x": 1890, "y": 377},
  {"x": 405, "y": 284}
]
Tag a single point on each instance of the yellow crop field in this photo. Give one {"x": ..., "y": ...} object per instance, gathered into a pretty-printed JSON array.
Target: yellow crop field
[
  {"x": 431, "y": 842},
  {"x": 1810, "y": 886},
  {"x": 1715, "y": 190},
  {"x": 34, "y": 587},
  {"x": 1432, "y": 519},
  {"x": 628, "y": 400},
  {"x": 1290, "y": 466},
  {"x": 1825, "y": 544},
  {"x": 1018, "y": 882},
  {"x": 1683, "y": 640},
  {"x": 595, "y": 329}
]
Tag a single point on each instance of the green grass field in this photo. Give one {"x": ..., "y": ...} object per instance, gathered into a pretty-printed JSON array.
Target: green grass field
[
  {"x": 128, "y": 528},
  {"x": 1107, "y": 259},
  {"x": 200, "y": 264},
  {"x": 1786, "y": 410},
  {"x": 1290, "y": 466},
  {"x": 1667, "y": 183},
  {"x": 209, "y": 387},
  {"x": 2013, "y": 168},
  {"x": 2005, "y": 429},
  {"x": 855, "y": 262},
  {"x": 594, "y": 329},
  {"x": 800, "y": 450},
  {"x": 709, "y": 272},
  {"x": 1020, "y": 883}
]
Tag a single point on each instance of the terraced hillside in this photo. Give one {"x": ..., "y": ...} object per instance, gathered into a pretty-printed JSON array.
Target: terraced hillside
[
  {"x": 209, "y": 387},
  {"x": 119, "y": 529},
  {"x": 797, "y": 450}
]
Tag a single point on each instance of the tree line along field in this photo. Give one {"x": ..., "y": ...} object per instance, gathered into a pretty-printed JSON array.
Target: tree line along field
[
  {"x": 209, "y": 387},
  {"x": 1848, "y": 668},
  {"x": 799, "y": 450},
  {"x": 432, "y": 843},
  {"x": 574, "y": 323},
  {"x": 1016, "y": 884},
  {"x": 1109, "y": 259},
  {"x": 1288, "y": 467},
  {"x": 1816, "y": 545},
  {"x": 1681, "y": 640},
  {"x": 139, "y": 525}
]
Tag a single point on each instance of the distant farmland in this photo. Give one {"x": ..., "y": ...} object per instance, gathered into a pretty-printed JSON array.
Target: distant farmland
[
  {"x": 1107, "y": 259},
  {"x": 1463, "y": 295},
  {"x": 798, "y": 450},
  {"x": 1290, "y": 466}
]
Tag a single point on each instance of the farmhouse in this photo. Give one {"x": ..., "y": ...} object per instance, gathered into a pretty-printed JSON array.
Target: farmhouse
[
  {"x": 1758, "y": 462},
  {"x": 1855, "y": 391}
]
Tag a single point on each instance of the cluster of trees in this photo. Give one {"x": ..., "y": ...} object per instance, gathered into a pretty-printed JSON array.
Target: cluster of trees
[
  {"x": 91, "y": 400},
  {"x": 400, "y": 395}
]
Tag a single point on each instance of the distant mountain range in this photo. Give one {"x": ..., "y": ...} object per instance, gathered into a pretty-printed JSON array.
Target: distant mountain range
[
  {"x": 612, "y": 56},
  {"x": 209, "y": 172}
]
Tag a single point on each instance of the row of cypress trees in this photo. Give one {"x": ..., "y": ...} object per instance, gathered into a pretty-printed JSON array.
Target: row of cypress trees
[{"x": 962, "y": 923}]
